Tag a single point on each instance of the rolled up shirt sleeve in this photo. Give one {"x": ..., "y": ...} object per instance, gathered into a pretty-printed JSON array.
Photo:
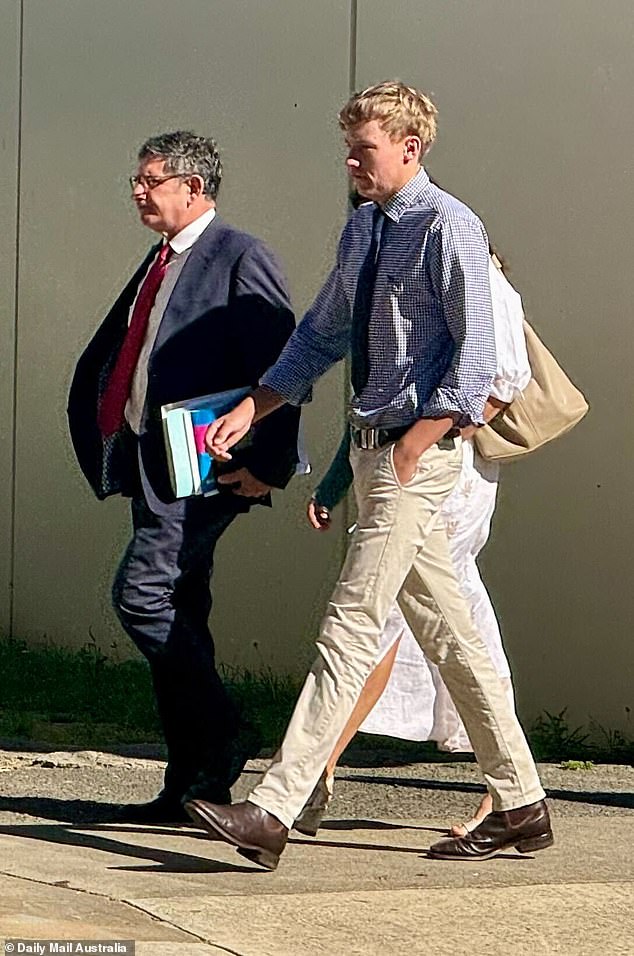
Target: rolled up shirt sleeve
[
  {"x": 320, "y": 340},
  {"x": 459, "y": 267}
]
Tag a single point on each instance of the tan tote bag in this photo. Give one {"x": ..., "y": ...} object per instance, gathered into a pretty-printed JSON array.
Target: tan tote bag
[{"x": 549, "y": 406}]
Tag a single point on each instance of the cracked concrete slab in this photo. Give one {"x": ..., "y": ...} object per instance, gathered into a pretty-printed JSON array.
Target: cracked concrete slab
[
  {"x": 50, "y": 909},
  {"x": 565, "y": 919},
  {"x": 363, "y": 886}
]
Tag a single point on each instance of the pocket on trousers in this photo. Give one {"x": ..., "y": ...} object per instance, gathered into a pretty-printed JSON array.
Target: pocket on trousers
[
  {"x": 390, "y": 460},
  {"x": 432, "y": 458}
]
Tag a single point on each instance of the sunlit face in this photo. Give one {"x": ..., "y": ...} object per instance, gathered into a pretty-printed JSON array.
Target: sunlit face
[
  {"x": 378, "y": 165},
  {"x": 166, "y": 202}
]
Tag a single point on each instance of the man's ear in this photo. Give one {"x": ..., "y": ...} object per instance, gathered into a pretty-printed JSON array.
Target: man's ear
[
  {"x": 196, "y": 187},
  {"x": 412, "y": 149}
]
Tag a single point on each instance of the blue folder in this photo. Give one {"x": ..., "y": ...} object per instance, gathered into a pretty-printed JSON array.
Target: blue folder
[{"x": 184, "y": 426}]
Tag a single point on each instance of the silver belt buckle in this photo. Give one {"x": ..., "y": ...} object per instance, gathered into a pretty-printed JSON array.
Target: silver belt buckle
[
  {"x": 369, "y": 439},
  {"x": 365, "y": 438}
]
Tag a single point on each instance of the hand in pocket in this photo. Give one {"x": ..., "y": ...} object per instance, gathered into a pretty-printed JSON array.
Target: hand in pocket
[{"x": 404, "y": 464}]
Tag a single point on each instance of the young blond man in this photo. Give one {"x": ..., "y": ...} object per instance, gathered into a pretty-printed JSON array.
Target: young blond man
[{"x": 409, "y": 298}]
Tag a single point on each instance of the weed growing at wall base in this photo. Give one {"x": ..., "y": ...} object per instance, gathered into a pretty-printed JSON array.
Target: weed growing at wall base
[{"x": 552, "y": 739}]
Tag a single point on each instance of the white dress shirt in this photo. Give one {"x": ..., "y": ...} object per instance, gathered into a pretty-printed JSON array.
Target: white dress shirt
[{"x": 181, "y": 245}]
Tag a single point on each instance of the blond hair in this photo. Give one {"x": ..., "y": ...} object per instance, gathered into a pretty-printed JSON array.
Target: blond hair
[{"x": 398, "y": 109}]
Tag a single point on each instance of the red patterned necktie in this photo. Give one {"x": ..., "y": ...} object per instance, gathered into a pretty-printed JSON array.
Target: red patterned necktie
[{"x": 110, "y": 417}]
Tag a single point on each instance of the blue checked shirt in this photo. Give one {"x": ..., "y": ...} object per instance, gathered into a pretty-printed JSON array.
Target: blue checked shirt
[{"x": 430, "y": 340}]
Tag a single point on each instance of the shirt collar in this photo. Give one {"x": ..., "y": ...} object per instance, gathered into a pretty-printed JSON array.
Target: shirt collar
[
  {"x": 186, "y": 238},
  {"x": 407, "y": 196}
]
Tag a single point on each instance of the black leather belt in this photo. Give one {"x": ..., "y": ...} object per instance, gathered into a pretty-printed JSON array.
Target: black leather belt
[{"x": 369, "y": 438}]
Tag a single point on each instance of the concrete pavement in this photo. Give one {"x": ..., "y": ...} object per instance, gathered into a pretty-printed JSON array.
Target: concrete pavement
[{"x": 364, "y": 886}]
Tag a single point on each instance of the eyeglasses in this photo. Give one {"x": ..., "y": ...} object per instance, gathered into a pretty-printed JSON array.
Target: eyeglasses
[{"x": 151, "y": 182}]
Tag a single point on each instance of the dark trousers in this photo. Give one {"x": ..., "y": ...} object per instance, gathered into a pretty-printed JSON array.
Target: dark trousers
[{"x": 162, "y": 598}]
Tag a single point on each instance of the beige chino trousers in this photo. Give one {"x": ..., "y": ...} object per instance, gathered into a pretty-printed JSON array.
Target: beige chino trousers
[{"x": 399, "y": 551}]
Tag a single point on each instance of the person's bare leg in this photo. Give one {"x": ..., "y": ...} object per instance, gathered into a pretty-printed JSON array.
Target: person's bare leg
[
  {"x": 372, "y": 690},
  {"x": 484, "y": 809}
]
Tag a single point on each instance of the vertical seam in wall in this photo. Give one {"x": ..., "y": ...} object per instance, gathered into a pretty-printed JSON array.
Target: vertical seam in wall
[
  {"x": 352, "y": 73},
  {"x": 352, "y": 85},
  {"x": 16, "y": 294}
]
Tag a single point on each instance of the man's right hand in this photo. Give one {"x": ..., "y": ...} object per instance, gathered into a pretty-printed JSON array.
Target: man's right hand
[
  {"x": 318, "y": 515},
  {"x": 227, "y": 430}
]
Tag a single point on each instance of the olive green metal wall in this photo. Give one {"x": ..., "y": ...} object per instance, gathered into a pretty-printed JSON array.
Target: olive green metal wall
[
  {"x": 535, "y": 133},
  {"x": 9, "y": 126}
]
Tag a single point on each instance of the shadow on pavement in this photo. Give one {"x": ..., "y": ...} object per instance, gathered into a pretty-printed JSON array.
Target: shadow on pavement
[
  {"x": 376, "y": 825},
  {"x": 165, "y": 861},
  {"x": 624, "y": 800},
  {"x": 457, "y": 786},
  {"x": 371, "y": 755},
  {"x": 64, "y": 811},
  {"x": 421, "y": 851},
  {"x": 595, "y": 797},
  {"x": 85, "y": 812}
]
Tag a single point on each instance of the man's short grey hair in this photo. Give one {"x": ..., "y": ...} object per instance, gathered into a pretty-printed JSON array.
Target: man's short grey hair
[{"x": 187, "y": 154}]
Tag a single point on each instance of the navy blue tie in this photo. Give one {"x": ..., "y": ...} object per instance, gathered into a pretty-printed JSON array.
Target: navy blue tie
[{"x": 362, "y": 308}]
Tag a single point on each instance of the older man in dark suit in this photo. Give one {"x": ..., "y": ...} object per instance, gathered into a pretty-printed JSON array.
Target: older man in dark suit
[{"x": 207, "y": 310}]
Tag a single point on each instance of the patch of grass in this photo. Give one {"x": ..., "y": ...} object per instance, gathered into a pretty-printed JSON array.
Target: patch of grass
[
  {"x": 67, "y": 698},
  {"x": 266, "y": 699},
  {"x": 17, "y": 724},
  {"x": 61, "y": 696},
  {"x": 81, "y": 699},
  {"x": 613, "y": 742}
]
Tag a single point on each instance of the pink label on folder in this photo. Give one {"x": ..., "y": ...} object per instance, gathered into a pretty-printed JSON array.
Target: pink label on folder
[{"x": 199, "y": 437}]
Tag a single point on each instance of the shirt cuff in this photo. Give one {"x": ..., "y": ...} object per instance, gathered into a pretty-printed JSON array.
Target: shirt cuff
[
  {"x": 294, "y": 392},
  {"x": 469, "y": 409}
]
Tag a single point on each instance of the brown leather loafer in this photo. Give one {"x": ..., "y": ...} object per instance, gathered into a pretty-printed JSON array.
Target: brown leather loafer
[
  {"x": 526, "y": 828},
  {"x": 257, "y": 834}
]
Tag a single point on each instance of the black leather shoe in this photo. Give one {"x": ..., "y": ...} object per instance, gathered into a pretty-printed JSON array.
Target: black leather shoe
[
  {"x": 165, "y": 809},
  {"x": 258, "y": 835},
  {"x": 527, "y": 829},
  {"x": 161, "y": 810}
]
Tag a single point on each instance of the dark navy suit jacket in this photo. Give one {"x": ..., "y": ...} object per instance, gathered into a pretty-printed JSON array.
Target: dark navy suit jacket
[{"x": 226, "y": 322}]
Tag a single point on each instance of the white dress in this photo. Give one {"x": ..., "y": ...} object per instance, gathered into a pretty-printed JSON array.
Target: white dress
[{"x": 416, "y": 704}]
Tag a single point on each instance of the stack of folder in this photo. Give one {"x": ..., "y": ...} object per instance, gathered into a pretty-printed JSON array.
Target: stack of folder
[{"x": 184, "y": 425}]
